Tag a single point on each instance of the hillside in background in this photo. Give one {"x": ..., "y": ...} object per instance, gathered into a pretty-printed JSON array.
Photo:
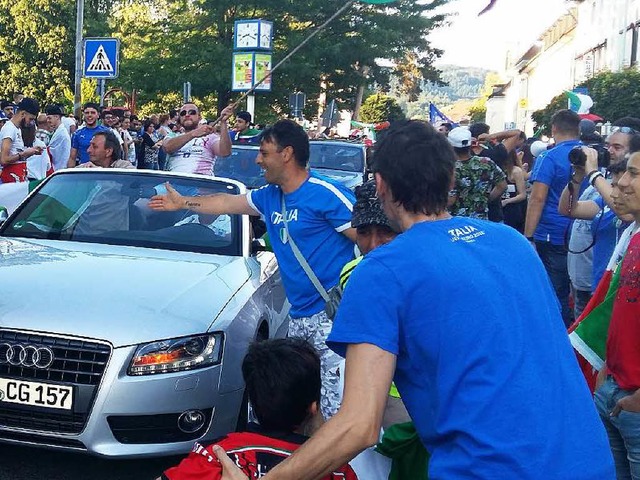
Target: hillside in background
[{"x": 464, "y": 85}]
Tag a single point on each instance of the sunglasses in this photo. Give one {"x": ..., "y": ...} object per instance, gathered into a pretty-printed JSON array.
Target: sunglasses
[
  {"x": 628, "y": 130},
  {"x": 189, "y": 112}
]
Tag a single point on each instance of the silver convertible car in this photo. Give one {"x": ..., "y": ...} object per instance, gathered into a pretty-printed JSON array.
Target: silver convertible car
[{"x": 122, "y": 330}]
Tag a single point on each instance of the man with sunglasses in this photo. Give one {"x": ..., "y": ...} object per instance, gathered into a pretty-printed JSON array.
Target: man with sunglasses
[{"x": 195, "y": 151}]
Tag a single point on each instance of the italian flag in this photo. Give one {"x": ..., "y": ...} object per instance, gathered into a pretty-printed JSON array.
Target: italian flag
[{"x": 588, "y": 334}]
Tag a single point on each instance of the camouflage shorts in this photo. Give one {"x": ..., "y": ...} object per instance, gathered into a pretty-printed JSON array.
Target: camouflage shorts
[{"x": 315, "y": 330}]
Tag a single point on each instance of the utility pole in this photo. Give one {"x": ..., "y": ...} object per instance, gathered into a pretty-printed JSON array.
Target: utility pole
[{"x": 77, "y": 98}]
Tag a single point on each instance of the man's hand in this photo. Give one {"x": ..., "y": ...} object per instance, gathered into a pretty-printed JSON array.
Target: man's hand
[
  {"x": 229, "y": 470},
  {"x": 202, "y": 130},
  {"x": 629, "y": 403},
  {"x": 592, "y": 159},
  {"x": 170, "y": 202},
  {"x": 227, "y": 113}
]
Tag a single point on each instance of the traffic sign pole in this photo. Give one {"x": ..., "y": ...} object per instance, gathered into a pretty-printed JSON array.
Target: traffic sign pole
[{"x": 77, "y": 96}]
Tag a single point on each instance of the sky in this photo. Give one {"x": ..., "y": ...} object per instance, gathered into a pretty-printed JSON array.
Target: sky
[{"x": 483, "y": 41}]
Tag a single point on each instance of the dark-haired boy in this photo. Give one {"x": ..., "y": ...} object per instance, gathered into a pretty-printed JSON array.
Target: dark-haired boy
[
  {"x": 82, "y": 137},
  {"x": 283, "y": 384}
]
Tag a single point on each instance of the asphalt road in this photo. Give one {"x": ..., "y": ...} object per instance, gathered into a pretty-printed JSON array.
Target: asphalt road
[{"x": 20, "y": 463}]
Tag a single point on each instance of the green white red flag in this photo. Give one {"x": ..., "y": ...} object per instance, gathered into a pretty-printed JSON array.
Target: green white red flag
[{"x": 588, "y": 334}]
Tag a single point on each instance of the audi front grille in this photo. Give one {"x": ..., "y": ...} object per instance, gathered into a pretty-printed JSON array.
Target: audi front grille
[{"x": 77, "y": 363}]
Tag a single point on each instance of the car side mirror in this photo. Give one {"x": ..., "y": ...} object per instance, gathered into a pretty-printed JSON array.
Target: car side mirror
[
  {"x": 258, "y": 245},
  {"x": 3, "y": 215}
]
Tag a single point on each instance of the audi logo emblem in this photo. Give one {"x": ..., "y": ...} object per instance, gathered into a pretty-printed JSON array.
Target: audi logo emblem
[{"x": 29, "y": 356}]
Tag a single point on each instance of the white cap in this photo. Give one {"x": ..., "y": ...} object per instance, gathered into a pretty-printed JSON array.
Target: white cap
[
  {"x": 460, "y": 137},
  {"x": 538, "y": 147}
]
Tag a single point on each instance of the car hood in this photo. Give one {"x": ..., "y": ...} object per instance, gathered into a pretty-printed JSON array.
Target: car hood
[
  {"x": 348, "y": 179},
  {"x": 124, "y": 295}
]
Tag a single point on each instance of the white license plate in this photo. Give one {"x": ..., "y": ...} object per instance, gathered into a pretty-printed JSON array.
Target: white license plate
[{"x": 36, "y": 394}]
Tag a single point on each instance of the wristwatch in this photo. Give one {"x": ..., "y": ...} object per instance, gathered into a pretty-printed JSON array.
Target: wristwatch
[{"x": 531, "y": 239}]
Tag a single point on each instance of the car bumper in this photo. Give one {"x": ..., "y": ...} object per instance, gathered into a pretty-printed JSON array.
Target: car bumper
[{"x": 134, "y": 416}]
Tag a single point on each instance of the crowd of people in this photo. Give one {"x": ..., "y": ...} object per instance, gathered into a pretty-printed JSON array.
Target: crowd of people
[{"x": 450, "y": 332}]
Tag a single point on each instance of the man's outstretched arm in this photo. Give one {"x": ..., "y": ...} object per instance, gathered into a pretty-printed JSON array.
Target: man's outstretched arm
[{"x": 222, "y": 203}]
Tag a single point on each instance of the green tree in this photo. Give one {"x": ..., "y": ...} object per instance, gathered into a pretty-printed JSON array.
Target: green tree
[
  {"x": 614, "y": 95},
  {"x": 379, "y": 108}
]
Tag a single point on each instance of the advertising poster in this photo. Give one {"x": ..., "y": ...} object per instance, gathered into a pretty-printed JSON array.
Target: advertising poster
[
  {"x": 263, "y": 68},
  {"x": 242, "y": 71}
]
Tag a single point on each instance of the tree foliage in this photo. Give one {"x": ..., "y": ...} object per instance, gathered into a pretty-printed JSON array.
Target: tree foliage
[
  {"x": 614, "y": 94},
  {"x": 379, "y": 108},
  {"x": 167, "y": 42}
]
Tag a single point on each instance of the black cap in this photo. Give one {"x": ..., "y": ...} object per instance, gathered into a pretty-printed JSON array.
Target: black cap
[
  {"x": 6, "y": 103},
  {"x": 54, "y": 110},
  {"x": 367, "y": 210},
  {"x": 29, "y": 105}
]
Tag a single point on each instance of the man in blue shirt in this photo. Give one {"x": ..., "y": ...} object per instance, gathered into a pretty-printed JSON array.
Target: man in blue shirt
[
  {"x": 545, "y": 227},
  {"x": 486, "y": 371},
  {"x": 318, "y": 218},
  {"x": 82, "y": 137}
]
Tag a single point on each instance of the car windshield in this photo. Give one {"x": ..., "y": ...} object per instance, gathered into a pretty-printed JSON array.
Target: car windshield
[
  {"x": 349, "y": 158},
  {"x": 111, "y": 208},
  {"x": 241, "y": 166}
]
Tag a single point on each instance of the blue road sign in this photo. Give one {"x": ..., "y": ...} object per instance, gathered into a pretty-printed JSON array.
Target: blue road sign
[{"x": 101, "y": 57}]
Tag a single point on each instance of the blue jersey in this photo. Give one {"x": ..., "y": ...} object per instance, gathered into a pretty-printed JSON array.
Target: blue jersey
[
  {"x": 484, "y": 363},
  {"x": 554, "y": 170},
  {"x": 606, "y": 229},
  {"x": 317, "y": 213},
  {"x": 82, "y": 138}
]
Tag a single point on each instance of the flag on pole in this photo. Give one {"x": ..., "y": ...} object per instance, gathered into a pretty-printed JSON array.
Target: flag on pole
[
  {"x": 579, "y": 102},
  {"x": 436, "y": 116}
]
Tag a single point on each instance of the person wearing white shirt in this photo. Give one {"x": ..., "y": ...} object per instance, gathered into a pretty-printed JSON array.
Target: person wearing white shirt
[{"x": 60, "y": 143}]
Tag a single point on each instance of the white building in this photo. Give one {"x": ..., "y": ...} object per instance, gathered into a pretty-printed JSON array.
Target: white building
[{"x": 593, "y": 35}]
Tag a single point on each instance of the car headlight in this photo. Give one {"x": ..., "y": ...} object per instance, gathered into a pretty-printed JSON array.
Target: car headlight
[{"x": 177, "y": 354}]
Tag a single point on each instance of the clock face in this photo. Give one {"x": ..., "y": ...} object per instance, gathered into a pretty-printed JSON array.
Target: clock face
[
  {"x": 247, "y": 35},
  {"x": 265, "y": 35}
]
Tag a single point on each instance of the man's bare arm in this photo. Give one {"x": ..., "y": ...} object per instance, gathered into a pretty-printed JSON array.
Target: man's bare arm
[
  {"x": 72, "y": 158},
  {"x": 173, "y": 144},
  {"x": 222, "y": 203},
  {"x": 537, "y": 199},
  {"x": 369, "y": 371},
  {"x": 497, "y": 191}
]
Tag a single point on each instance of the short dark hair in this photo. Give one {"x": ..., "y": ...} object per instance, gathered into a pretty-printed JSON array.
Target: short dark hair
[
  {"x": 287, "y": 133},
  {"x": 246, "y": 116},
  {"x": 146, "y": 124},
  {"x": 634, "y": 143},
  {"x": 93, "y": 105},
  {"x": 447, "y": 125},
  {"x": 631, "y": 122},
  {"x": 618, "y": 167},
  {"x": 478, "y": 129},
  {"x": 112, "y": 142},
  {"x": 566, "y": 122},
  {"x": 282, "y": 378},
  {"x": 418, "y": 165}
]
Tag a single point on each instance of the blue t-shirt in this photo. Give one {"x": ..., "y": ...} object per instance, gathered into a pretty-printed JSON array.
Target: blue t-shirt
[
  {"x": 484, "y": 363},
  {"x": 82, "y": 138},
  {"x": 554, "y": 170},
  {"x": 606, "y": 228},
  {"x": 317, "y": 213}
]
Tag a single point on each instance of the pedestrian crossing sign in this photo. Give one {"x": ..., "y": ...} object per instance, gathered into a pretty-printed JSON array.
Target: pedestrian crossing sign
[{"x": 101, "y": 57}]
